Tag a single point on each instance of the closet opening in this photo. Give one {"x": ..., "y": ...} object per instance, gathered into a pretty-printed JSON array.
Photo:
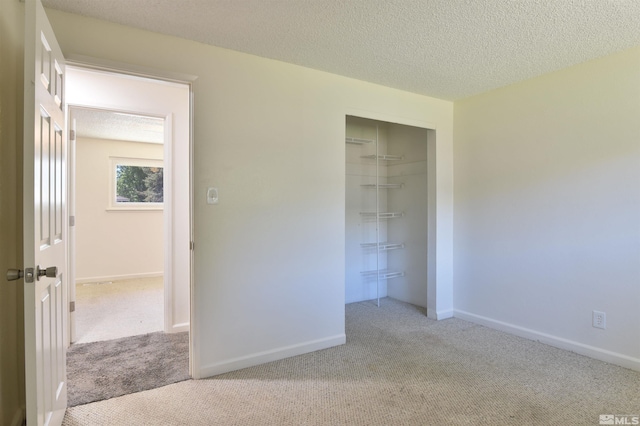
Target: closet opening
[{"x": 387, "y": 217}]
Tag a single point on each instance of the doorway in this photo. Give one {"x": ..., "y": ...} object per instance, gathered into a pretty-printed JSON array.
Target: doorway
[{"x": 129, "y": 131}]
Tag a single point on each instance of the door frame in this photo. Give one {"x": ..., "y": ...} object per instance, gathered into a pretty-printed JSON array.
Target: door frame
[{"x": 99, "y": 65}]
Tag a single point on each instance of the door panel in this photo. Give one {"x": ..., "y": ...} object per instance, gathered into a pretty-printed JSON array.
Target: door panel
[{"x": 44, "y": 221}]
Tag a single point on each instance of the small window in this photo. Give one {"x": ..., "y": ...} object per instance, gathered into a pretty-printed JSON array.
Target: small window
[{"x": 136, "y": 184}]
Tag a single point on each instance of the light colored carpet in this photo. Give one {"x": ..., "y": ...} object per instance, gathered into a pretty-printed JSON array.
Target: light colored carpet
[
  {"x": 115, "y": 309},
  {"x": 397, "y": 368}
]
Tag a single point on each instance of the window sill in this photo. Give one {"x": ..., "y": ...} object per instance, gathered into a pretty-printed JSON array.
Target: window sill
[{"x": 135, "y": 209}]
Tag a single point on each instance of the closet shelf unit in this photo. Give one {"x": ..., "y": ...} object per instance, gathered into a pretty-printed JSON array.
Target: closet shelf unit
[
  {"x": 389, "y": 236},
  {"x": 379, "y": 246}
]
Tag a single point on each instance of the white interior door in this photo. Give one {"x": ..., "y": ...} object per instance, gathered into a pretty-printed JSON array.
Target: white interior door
[{"x": 45, "y": 280}]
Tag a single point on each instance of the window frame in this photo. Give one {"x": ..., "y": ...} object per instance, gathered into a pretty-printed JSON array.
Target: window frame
[{"x": 112, "y": 204}]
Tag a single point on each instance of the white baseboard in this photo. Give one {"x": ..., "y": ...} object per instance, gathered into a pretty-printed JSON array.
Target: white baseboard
[
  {"x": 119, "y": 277},
  {"x": 272, "y": 355},
  {"x": 558, "y": 342},
  {"x": 178, "y": 328},
  {"x": 439, "y": 315}
]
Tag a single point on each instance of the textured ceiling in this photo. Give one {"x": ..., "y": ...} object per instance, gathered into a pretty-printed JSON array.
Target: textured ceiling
[
  {"x": 449, "y": 49},
  {"x": 99, "y": 124}
]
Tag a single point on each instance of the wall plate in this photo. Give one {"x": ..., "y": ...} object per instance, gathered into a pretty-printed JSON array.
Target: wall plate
[{"x": 212, "y": 195}]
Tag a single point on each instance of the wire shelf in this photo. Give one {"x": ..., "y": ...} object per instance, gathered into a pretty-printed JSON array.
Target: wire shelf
[
  {"x": 383, "y": 215},
  {"x": 382, "y": 185},
  {"x": 384, "y": 157},
  {"x": 384, "y": 274},
  {"x": 383, "y": 246},
  {"x": 358, "y": 141}
]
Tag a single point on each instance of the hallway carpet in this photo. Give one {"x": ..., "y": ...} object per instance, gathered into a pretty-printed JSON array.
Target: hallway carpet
[{"x": 101, "y": 370}]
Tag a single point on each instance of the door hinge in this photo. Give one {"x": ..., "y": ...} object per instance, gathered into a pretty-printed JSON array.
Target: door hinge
[
  {"x": 72, "y": 135},
  {"x": 72, "y": 221},
  {"x": 192, "y": 245},
  {"x": 72, "y": 306}
]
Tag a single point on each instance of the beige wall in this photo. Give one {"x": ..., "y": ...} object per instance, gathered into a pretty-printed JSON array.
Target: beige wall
[
  {"x": 269, "y": 258},
  {"x": 113, "y": 244},
  {"x": 11, "y": 298},
  {"x": 547, "y": 207}
]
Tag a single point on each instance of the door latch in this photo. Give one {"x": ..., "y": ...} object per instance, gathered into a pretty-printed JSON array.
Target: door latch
[
  {"x": 50, "y": 272},
  {"x": 16, "y": 274}
]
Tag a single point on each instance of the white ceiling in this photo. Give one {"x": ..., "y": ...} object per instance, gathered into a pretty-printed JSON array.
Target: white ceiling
[
  {"x": 449, "y": 49},
  {"x": 101, "y": 124}
]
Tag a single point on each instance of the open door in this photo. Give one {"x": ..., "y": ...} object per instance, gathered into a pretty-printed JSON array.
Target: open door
[{"x": 45, "y": 227}]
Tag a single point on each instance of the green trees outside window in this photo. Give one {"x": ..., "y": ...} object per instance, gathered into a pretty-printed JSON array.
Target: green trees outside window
[{"x": 137, "y": 184}]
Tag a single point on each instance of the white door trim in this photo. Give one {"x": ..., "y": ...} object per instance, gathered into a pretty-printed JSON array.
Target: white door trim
[
  {"x": 99, "y": 64},
  {"x": 71, "y": 226}
]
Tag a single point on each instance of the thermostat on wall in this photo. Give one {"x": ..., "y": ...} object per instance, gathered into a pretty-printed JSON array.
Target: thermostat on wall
[{"x": 212, "y": 195}]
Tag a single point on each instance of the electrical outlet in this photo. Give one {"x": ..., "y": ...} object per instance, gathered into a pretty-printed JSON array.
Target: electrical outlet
[{"x": 599, "y": 319}]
